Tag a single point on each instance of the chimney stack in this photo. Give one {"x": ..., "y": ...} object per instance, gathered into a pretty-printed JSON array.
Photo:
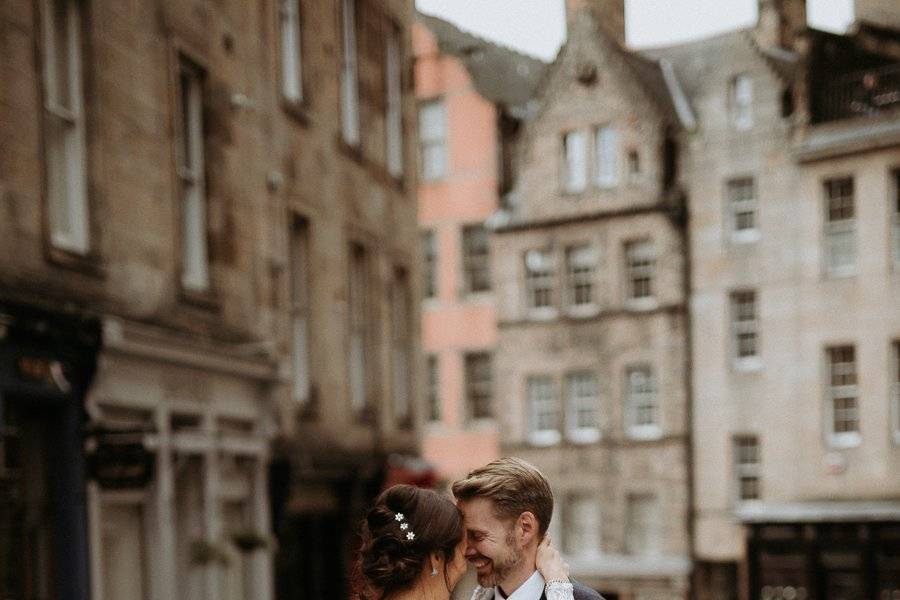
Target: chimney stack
[
  {"x": 780, "y": 22},
  {"x": 610, "y": 14}
]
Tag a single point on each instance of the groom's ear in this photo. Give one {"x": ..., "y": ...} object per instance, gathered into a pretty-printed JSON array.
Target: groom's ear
[{"x": 528, "y": 528}]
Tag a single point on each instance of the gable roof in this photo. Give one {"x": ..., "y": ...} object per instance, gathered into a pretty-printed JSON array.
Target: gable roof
[{"x": 500, "y": 74}]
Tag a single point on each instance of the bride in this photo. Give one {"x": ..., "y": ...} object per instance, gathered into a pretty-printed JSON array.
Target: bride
[{"x": 413, "y": 542}]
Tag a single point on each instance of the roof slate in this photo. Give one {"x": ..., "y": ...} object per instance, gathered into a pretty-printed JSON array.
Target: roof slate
[{"x": 500, "y": 74}]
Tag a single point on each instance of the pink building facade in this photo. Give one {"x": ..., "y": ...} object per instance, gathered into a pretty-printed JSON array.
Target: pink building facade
[{"x": 466, "y": 141}]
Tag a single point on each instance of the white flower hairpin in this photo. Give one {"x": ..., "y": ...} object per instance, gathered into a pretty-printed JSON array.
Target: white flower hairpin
[{"x": 404, "y": 526}]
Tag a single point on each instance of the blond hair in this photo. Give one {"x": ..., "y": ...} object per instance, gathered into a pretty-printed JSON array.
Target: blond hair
[{"x": 514, "y": 486}]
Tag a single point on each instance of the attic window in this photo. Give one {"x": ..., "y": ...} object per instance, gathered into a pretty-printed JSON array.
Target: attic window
[{"x": 586, "y": 73}]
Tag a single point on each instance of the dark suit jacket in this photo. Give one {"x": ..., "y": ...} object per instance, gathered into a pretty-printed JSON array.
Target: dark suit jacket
[{"x": 581, "y": 592}]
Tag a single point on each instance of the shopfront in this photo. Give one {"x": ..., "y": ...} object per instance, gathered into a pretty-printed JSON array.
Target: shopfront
[
  {"x": 47, "y": 362},
  {"x": 824, "y": 560}
]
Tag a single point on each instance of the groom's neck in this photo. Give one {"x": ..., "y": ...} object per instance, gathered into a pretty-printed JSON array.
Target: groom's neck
[{"x": 515, "y": 578}]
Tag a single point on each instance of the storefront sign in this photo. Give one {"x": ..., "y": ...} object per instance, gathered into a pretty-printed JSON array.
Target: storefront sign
[{"x": 118, "y": 460}]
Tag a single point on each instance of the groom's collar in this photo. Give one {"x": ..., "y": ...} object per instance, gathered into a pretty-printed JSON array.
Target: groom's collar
[{"x": 532, "y": 589}]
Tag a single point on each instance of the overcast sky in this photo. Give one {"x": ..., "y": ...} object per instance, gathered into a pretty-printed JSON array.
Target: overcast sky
[{"x": 538, "y": 26}]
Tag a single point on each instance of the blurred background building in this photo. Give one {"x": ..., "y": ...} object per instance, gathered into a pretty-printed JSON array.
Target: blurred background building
[
  {"x": 668, "y": 277},
  {"x": 472, "y": 97},
  {"x": 208, "y": 329},
  {"x": 720, "y": 175},
  {"x": 592, "y": 357}
]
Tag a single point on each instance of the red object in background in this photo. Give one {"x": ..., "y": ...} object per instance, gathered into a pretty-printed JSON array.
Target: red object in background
[{"x": 410, "y": 470}]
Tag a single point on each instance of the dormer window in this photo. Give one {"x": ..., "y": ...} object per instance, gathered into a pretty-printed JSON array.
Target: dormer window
[
  {"x": 575, "y": 162},
  {"x": 741, "y": 101},
  {"x": 607, "y": 141}
]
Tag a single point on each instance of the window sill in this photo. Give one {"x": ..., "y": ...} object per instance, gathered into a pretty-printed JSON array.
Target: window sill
[
  {"x": 479, "y": 296},
  {"x": 844, "y": 440},
  {"x": 845, "y": 273},
  {"x": 642, "y": 304},
  {"x": 88, "y": 264},
  {"x": 205, "y": 300},
  {"x": 747, "y": 236},
  {"x": 299, "y": 111},
  {"x": 582, "y": 311},
  {"x": 583, "y": 436},
  {"x": 606, "y": 185},
  {"x": 481, "y": 424},
  {"x": 542, "y": 314},
  {"x": 645, "y": 433},
  {"x": 543, "y": 439},
  {"x": 379, "y": 172},
  {"x": 749, "y": 364}
]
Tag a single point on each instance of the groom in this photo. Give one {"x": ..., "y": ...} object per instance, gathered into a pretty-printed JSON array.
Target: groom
[{"x": 507, "y": 506}]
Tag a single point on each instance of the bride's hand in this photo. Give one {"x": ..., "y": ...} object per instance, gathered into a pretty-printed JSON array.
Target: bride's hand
[{"x": 550, "y": 562}]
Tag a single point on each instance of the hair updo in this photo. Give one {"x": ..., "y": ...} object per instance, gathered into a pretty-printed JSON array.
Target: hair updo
[{"x": 388, "y": 560}]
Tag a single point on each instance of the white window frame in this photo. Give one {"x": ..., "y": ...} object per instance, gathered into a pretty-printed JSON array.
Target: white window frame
[
  {"x": 291, "y": 51},
  {"x": 195, "y": 267},
  {"x": 349, "y": 75},
  {"x": 744, "y": 323},
  {"x": 836, "y": 392},
  {"x": 741, "y": 203},
  {"x": 433, "y": 140},
  {"x": 479, "y": 388},
  {"x": 840, "y": 234},
  {"x": 583, "y": 522},
  {"x": 300, "y": 311},
  {"x": 582, "y": 396},
  {"x": 574, "y": 162},
  {"x": 606, "y": 156},
  {"x": 639, "y": 398},
  {"x": 581, "y": 267},
  {"x": 66, "y": 136},
  {"x": 394, "y": 101},
  {"x": 401, "y": 355},
  {"x": 540, "y": 407},
  {"x": 540, "y": 280},
  {"x": 640, "y": 264},
  {"x": 746, "y": 469},
  {"x": 358, "y": 322},
  {"x": 741, "y": 101}
]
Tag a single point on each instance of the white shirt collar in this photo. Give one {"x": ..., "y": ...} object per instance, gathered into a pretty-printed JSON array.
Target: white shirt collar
[{"x": 532, "y": 589}]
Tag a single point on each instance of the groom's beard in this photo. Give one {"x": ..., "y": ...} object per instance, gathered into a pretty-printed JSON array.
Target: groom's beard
[{"x": 503, "y": 566}]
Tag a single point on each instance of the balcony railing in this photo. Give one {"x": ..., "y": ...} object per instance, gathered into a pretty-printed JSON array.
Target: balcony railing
[{"x": 862, "y": 93}]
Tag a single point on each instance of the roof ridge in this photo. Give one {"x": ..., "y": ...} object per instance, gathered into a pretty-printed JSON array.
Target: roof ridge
[
  {"x": 687, "y": 43},
  {"x": 481, "y": 39}
]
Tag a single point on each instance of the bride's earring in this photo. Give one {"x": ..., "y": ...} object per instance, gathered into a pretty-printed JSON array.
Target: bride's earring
[{"x": 434, "y": 571}]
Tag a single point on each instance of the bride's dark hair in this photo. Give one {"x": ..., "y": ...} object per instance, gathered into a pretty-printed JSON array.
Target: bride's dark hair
[{"x": 388, "y": 559}]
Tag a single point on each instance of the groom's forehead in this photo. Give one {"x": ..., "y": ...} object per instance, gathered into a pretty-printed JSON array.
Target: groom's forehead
[{"x": 480, "y": 510}]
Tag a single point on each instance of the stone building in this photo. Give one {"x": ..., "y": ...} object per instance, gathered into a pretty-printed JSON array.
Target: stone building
[
  {"x": 472, "y": 96},
  {"x": 792, "y": 180},
  {"x": 749, "y": 440},
  {"x": 592, "y": 316},
  {"x": 207, "y": 323}
]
